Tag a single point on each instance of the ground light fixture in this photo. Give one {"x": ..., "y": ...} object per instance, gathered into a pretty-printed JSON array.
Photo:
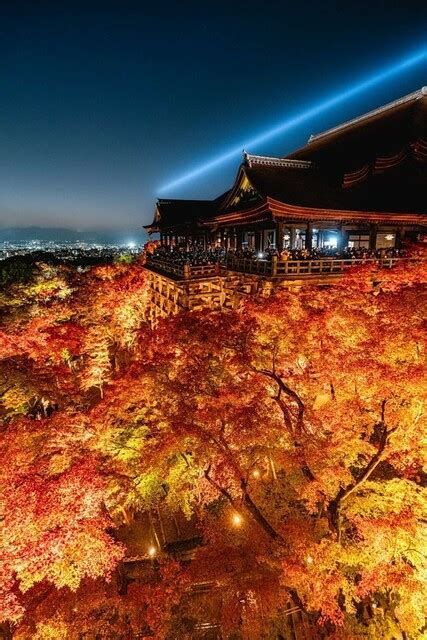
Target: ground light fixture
[{"x": 236, "y": 519}]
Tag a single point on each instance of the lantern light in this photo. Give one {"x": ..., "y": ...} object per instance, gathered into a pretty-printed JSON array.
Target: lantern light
[
  {"x": 237, "y": 519},
  {"x": 152, "y": 551},
  {"x": 309, "y": 560},
  {"x": 256, "y": 473}
]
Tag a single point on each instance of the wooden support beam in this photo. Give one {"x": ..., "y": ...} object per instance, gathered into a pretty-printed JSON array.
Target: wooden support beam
[
  {"x": 373, "y": 229},
  {"x": 400, "y": 234},
  {"x": 309, "y": 236},
  {"x": 280, "y": 232}
]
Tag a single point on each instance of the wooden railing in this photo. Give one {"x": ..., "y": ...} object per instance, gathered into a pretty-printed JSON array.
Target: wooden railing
[
  {"x": 273, "y": 268},
  {"x": 276, "y": 268},
  {"x": 183, "y": 271}
]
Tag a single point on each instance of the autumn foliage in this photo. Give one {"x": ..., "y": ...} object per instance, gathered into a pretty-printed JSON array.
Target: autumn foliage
[{"x": 236, "y": 469}]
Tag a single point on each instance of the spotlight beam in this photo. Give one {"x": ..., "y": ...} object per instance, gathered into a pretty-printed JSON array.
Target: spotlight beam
[{"x": 307, "y": 114}]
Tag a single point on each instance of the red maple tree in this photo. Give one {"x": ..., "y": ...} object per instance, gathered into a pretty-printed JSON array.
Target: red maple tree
[{"x": 287, "y": 435}]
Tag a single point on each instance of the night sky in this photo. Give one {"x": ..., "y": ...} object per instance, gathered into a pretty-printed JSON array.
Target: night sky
[{"x": 103, "y": 104}]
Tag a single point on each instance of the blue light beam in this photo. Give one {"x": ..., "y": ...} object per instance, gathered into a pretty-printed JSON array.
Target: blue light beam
[{"x": 307, "y": 114}]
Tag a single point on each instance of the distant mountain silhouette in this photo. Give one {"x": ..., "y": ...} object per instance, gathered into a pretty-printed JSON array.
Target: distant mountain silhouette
[{"x": 59, "y": 234}]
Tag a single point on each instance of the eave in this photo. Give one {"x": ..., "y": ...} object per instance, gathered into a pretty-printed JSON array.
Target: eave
[
  {"x": 258, "y": 213},
  {"x": 274, "y": 210},
  {"x": 283, "y": 210}
]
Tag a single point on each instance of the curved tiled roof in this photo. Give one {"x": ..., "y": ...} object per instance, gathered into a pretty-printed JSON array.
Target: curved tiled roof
[
  {"x": 172, "y": 213},
  {"x": 374, "y": 163},
  {"x": 379, "y": 132},
  {"x": 398, "y": 189}
]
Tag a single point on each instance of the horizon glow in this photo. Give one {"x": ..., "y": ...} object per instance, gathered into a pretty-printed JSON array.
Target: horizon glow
[{"x": 305, "y": 115}]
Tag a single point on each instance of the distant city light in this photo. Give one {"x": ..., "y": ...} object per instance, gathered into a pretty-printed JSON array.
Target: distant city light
[
  {"x": 71, "y": 251},
  {"x": 307, "y": 114}
]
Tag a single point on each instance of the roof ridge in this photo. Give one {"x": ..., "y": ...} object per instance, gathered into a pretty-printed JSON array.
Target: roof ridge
[
  {"x": 271, "y": 161},
  {"x": 415, "y": 95},
  {"x": 173, "y": 200}
]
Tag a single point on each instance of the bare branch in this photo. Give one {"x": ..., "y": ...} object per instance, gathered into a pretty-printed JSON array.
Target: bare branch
[
  {"x": 218, "y": 487},
  {"x": 342, "y": 495},
  {"x": 290, "y": 393},
  {"x": 287, "y": 416}
]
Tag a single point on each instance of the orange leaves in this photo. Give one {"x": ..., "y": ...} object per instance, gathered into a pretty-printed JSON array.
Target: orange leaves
[{"x": 320, "y": 392}]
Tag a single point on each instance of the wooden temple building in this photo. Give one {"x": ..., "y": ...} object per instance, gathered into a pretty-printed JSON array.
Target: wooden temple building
[{"x": 362, "y": 184}]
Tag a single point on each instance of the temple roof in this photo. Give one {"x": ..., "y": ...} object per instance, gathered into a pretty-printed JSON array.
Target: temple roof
[
  {"x": 400, "y": 187},
  {"x": 171, "y": 213},
  {"x": 378, "y": 132},
  {"x": 374, "y": 163},
  {"x": 294, "y": 185}
]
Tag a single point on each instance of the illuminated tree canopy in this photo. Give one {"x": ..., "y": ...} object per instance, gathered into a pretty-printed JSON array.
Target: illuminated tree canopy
[{"x": 288, "y": 437}]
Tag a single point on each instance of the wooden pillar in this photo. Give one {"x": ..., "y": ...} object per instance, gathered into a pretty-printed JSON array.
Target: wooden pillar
[
  {"x": 279, "y": 235},
  {"x": 227, "y": 239},
  {"x": 292, "y": 237},
  {"x": 341, "y": 238},
  {"x": 239, "y": 238},
  {"x": 309, "y": 236},
  {"x": 400, "y": 233},
  {"x": 258, "y": 241},
  {"x": 235, "y": 238},
  {"x": 372, "y": 236},
  {"x": 274, "y": 266}
]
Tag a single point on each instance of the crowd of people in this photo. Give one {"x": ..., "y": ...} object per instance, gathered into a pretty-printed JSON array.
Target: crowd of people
[
  {"x": 199, "y": 256},
  {"x": 195, "y": 256},
  {"x": 347, "y": 253}
]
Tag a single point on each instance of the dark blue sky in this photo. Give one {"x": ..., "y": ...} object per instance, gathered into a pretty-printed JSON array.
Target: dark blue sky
[{"x": 103, "y": 103}]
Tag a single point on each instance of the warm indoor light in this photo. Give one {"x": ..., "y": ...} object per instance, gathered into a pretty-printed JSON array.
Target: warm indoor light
[
  {"x": 309, "y": 560},
  {"x": 152, "y": 551},
  {"x": 256, "y": 473},
  {"x": 260, "y": 255},
  {"x": 389, "y": 236},
  {"x": 237, "y": 519}
]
